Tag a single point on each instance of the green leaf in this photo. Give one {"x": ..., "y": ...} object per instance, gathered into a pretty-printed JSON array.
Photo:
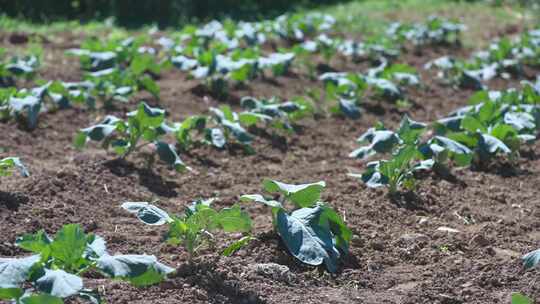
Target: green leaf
[
  {"x": 479, "y": 97},
  {"x": 306, "y": 239},
  {"x": 237, "y": 245},
  {"x": 41, "y": 299},
  {"x": 140, "y": 270},
  {"x": 80, "y": 140},
  {"x": 234, "y": 219},
  {"x": 38, "y": 242},
  {"x": 472, "y": 124},
  {"x": 15, "y": 271},
  {"x": 10, "y": 293},
  {"x": 59, "y": 283},
  {"x": 342, "y": 234},
  {"x": 518, "y": 298},
  {"x": 464, "y": 138},
  {"x": 249, "y": 119},
  {"x": 238, "y": 131},
  {"x": 410, "y": 130},
  {"x": 227, "y": 113},
  {"x": 95, "y": 133},
  {"x": 141, "y": 63},
  {"x": 150, "y": 134},
  {"x": 304, "y": 195},
  {"x": 381, "y": 141},
  {"x": 68, "y": 246},
  {"x": 487, "y": 111},
  {"x": 168, "y": 155},
  {"x": 8, "y": 163},
  {"x": 150, "y": 85},
  {"x": 148, "y": 116}
]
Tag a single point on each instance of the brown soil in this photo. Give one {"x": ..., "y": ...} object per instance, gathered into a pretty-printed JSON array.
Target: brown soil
[{"x": 397, "y": 254}]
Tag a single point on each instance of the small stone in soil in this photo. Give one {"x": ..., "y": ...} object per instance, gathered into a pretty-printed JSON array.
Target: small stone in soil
[{"x": 273, "y": 271}]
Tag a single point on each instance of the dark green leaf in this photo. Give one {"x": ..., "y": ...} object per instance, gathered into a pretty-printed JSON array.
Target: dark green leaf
[
  {"x": 306, "y": 239},
  {"x": 140, "y": 270},
  {"x": 147, "y": 213},
  {"x": 168, "y": 155},
  {"x": 59, "y": 283}
]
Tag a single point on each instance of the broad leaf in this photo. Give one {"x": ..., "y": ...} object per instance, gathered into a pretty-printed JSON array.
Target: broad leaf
[
  {"x": 147, "y": 213},
  {"x": 59, "y": 283},
  {"x": 38, "y": 242},
  {"x": 141, "y": 270},
  {"x": 234, "y": 219},
  {"x": 96, "y": 248},
  {"x": 491, "y": 144},
  {"x": 306, "y": 239},
  {"x": 168, "y": 155},
  {"x": 69, "y": 245},
  {"x": 13, "y": 271},
  {"x": 305, "y": 195},
  {"x": 148, "y": 116}
]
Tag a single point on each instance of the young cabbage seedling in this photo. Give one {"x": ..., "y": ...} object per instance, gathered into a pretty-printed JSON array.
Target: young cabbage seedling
[
  {"x": 491, "y": 127},
  {"x": 196, "y": 228},
  {"x": 185, "y": 130},
  {"x": 54, "y": 272},
  {"x": 277, "y": 115},
  {"x": 124, "y": 136},
  {"x": 228, "y": 125},
  {"x": 398, "y": 172},
  {"x": 9, "y": 163},
  {"x": 313, "y": 232}
]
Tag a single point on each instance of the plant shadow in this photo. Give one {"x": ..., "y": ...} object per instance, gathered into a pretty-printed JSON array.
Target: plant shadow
[
  {"x": 147, "y": 177},
  {"x": 408, "y": 200},
  {"x": 12, "y": 200}
]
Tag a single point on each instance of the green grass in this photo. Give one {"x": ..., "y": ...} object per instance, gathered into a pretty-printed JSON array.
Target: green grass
[
  {"x": 9, "y": 24},
  {"x": 372, "y": 16}
]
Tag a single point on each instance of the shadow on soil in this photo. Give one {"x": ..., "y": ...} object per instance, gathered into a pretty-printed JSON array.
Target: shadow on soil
[{"x": 147, "y": 178}]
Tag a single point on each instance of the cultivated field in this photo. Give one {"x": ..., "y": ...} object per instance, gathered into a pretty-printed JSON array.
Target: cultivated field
[{"x": 413, "y": 146}]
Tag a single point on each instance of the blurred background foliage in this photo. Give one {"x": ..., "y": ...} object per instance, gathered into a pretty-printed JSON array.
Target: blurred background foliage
[
  {"x": 167, "y": 13},
  {"x": 133, "y": 13}
]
